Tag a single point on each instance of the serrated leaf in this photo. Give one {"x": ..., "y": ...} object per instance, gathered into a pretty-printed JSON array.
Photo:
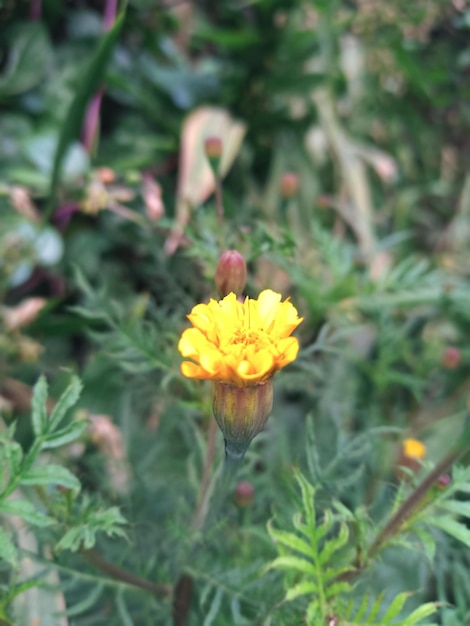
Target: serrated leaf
[
  {"x": 293, "y": 562},
  {"x": 325, "y": 527},
  {"x": 66, "y": 435},
  {"x": 456, "y": 506},
  {"x": 290, "y": 540},
  {"x": 313, "y": 461},
  {"x": 334, "y": 572},
  {"x": 8, "y": 551},
  {"x": 428, "y": 543},
  {"x": 375, "y": 608},
  {"x": 66, "y": 401},
  {"x": 333, "y": 545},
  {"x": 27, "y": 511},
  {"x": 11, "y": 455},
  {"x": 395, "y": 607},
  {"x": 39, "y": 406},
  {"x": 51, "y": 475},
  {"x": 302, "y": 589},
  {"x": 107, "y": 521},
  {"x": 362, "y": 609},
  {"x": 308, "y": 494},
  {"x": 420, "y": 613},
  {"x": 337, "y": 589},
  {"x": 451, "y": 527}
]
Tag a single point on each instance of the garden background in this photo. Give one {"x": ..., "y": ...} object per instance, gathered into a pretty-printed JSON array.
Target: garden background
[{"x": 344, "y": 135}]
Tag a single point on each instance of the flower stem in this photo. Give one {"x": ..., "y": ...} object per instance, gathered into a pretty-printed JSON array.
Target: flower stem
[
  {"x": 232, "y": 462},
  {"x": 204, "y": 493},
  {"x": 93, "y": 557},
  {"x": 397, "y": 520},
  {"x": 219, "y": 204}
]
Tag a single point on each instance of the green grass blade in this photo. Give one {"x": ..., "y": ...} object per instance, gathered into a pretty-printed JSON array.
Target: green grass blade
[{"x": 88, "y": 85}]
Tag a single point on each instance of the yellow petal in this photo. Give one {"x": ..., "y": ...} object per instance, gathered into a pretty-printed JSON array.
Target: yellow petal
[
  {"x": 268, "y": 302},
  {"x": 191, "y": 370},
  {"x": 288, "y": 350},
  {"x": 192, "y": 343}
]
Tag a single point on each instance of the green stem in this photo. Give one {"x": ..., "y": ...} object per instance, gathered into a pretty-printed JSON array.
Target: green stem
[
  {"x": 232, "y": 462},
  {"x": 219, "y": 203}
]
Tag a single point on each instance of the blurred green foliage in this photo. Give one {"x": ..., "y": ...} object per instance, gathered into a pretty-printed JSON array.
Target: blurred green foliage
[{"x": 369, "y": 105}]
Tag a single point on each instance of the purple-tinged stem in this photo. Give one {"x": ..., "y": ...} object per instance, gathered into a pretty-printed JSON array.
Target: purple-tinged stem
[
  {"x": 109, "y": 17},
  {"x": 35, "y": 10},
  {"x": 91, "y": 121},
  {"x": 93, "y": 112},
  {"x": 63, "y": 215}
]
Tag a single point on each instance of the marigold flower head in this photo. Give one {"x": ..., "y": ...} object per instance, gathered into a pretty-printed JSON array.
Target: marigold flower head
[
  {"x": 242, "y": 343},
  {"x": 414, "y": 449},
  {"x": 412, "y": 452}
]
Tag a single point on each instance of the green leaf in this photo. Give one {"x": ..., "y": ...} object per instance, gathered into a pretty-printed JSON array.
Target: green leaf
[
  {"x": 66, "y": 435},
  {"x": 108, "y": 521},
  {"x": 336, "y": 589},
  {"x": 451, "y": 527},
  {"x": 420, "y": 613},
  {"x": 395, "y": 607},
  {"x": 428, "y": 542},
  {"x": 375, "y": 608},
  {"x": 302, "y": 589},
  {"x": 308, "y": 494},
  {"x": 333, "y": 545},
  {"x": 39, "y": 406},
  {"x": 8, "y": 551},
  {"x": 51, "y": 475},
  {"x": 27, "y": 59},
  {"x": 214, "y": 609},
  {"x": 66, "y": 401},
  {"x": 27, "y": 511},
  {"x": 293, "y": 562},
  {"x": 11, "y": 455},
  {"x": 85, "y": 604},
  {"x": 290, "y": 540},
  {"x": 362, "y": 608},
  {"x": 456, "y": 506},
  {"x": 88, "y": 85}
]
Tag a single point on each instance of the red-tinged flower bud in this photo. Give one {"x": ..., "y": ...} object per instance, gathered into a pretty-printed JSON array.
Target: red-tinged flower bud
[
  {"x": 244, "y": 494},
  {"x": 289, "y": 185},
  {"x": 213, "y": 147},
  {"x": 106, "y": 175},
  {"x": 451, "y": 358},
  {"x": 241, "y": 413},
  {"x": 444, "y": 481},
  {"x": 213, "y": 150},
  {"x": 230, "y": 275}
]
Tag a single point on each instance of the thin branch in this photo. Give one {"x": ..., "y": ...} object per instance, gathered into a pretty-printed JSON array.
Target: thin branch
[
  {"x": 204, "y": 492},
  {"x": 159, "y": 591}
]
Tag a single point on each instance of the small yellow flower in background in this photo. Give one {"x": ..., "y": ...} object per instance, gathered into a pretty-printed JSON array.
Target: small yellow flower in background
[
  {"x": 240, "y": 346},
  {"x": 243, "y": 343},
  {"x": 414, "y": 449},
  {"x": 410, "y": 455}
]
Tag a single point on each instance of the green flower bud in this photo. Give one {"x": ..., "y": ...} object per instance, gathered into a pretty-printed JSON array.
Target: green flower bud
[{"x": 241, "y": 413}]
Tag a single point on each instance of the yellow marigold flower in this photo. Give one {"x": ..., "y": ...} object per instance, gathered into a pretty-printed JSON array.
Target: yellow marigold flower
[
  {"x": 414, "y": 449},
  {"x": 242, "y": 343}
]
